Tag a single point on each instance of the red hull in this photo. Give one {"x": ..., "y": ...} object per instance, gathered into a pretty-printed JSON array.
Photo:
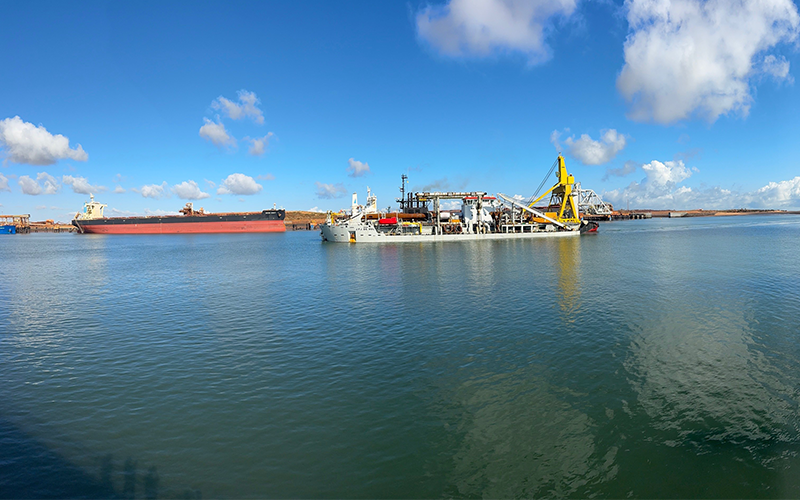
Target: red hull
[{"x": 268, "y": 226}]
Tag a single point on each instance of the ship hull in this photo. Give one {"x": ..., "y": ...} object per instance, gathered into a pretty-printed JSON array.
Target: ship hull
[
  {"x": 364, "y": 233},
  {"x": 266, "y": 222}
]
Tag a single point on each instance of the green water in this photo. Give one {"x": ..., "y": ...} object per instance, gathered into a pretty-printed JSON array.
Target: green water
[{"x": 657, "y": 359}]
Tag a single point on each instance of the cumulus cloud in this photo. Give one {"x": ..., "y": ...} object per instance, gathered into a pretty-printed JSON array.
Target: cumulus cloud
[
  {"x": 26, "y": 143},
  {"x": 357, "y": 168},
  {"x": 189, "y": 190},
  {"x": 246, "y": 107},
  {"x": 4, "y": 183},
  {"x": 464, "y": 28},
  {"x": 657, "y": 190},
  {"x": 155, "y": 191},
  {"x": 119, "y": 189},
  {"x": 215, "y": 133},
  {"x": 776, "y": 67},
  {"x": 80, "y": 185},
  {"x": 591, "y": 152},
  {"x": 778, "y": 194},
  {"x": 692, "y": 56},
  {"x": 44, "y": 184},
  {"x": 258, "y": 145},
  {"x": 666, "y": 173},
  {"x": 29, "y": 186},
  {"x": 628, "y": 168},
  {"x": 330, "y": 191},
  {"x": 239, "y": 184}
]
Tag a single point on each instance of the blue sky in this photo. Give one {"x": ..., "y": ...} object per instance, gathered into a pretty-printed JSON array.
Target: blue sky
[{"x": 236, "y": 106}]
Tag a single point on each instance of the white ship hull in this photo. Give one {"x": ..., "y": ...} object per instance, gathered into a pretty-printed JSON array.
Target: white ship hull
[{"x": 367, "y": 233}]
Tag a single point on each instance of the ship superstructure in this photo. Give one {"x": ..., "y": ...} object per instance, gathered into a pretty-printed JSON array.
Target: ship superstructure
[{"x": 477, "y": 216}]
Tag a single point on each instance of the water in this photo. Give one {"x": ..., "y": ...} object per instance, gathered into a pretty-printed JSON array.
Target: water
[{"x": 656, "y": 359}]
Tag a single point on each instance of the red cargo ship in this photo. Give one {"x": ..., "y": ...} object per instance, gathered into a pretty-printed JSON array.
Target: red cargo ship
[{"x": 92, "y": 220}]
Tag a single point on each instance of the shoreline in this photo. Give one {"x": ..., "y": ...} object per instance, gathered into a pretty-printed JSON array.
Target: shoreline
[{"x": 300, "y": 220}]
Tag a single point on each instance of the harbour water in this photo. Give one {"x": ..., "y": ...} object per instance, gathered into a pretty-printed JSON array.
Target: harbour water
[{"x": 659, "y": 358}]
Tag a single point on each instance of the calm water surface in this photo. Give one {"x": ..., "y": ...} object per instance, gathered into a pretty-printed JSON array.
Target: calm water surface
[{"x": 656, "y": 359}]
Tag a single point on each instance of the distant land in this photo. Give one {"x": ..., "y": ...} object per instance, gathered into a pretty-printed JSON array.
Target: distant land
[{"x": 303, "y": 219}]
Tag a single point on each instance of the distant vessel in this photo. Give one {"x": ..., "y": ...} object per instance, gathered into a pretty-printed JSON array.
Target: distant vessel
[
  {"x": 481, "y": 217},
  {"x": 92, "y": 220}
]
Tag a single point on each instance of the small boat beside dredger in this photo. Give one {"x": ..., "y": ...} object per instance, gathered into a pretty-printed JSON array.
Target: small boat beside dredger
[{"x": 421, "y": 216}]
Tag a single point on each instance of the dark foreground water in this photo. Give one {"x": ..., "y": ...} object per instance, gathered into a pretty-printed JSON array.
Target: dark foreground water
[{"x": 656, "y": 359}]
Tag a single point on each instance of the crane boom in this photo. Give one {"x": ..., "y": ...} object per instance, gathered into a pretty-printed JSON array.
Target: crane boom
[{"x": 515, "y": 203}]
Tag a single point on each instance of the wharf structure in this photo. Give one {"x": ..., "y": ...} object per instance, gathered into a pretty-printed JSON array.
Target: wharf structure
[{"x": 12, "y": 224}]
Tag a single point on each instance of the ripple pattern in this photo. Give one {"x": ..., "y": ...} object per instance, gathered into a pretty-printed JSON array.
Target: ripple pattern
[{"x": 657, "y": 359}]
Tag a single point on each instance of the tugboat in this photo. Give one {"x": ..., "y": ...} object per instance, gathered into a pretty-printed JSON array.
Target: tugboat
[{"x": 481, "y": 217}]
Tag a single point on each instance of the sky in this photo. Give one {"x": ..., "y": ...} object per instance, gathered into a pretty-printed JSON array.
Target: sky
[{"x": 239, "y": 106}]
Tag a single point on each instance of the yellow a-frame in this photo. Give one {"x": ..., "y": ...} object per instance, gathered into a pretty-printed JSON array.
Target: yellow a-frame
[{"x": 561, "y": 197}]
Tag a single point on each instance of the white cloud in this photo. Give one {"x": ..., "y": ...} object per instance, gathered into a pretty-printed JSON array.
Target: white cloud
[
  {"x": 119, "y": 189},
  {"x": 657, "y": 189},
  {"x": 44, "y": 184},
  {"x": 155, "y": 191},
  {"x": 211, "y": 184},
  {"x": 81, "y": 185},
  {"x": 4, "y": 183},
  {"x": 189, "y": 190},
  {"x": 660, "y": 189},
  {"x": 357, "y": 168},
  {"x": 485, "y": 27},
  {"x": 591, "y": 152},
  {"x": 259, "y": 144},
  {"x": 687, "y": 56},
  {"x": 315, "y": 209},
  {"x": 330, "y": 191},
  {"x": 778, "y": 194},
  {"x": 666, "y": 173},
  {"x": 239, "y": 184},
  {"x": 776, "y": 67},
  {"x": 265, "y": 177},
  {"x": 628, "y": 168},
  {"x": 26, "y": 143},
  {"x": 246, "y": 107},
  {"x": 29, "y": 186},
  {"x": 216, "y": 133}
]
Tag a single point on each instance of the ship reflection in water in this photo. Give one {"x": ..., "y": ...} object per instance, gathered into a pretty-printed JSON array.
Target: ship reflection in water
[{"x": 251, "y": 366}]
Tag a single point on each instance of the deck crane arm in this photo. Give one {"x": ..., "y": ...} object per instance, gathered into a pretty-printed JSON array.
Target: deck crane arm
[
  {"x": 561, "y": 194},
  {"x": 515, "y": 203}
]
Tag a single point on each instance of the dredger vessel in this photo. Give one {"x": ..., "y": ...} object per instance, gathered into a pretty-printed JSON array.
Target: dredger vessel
[{"x": 480, "y": 217}]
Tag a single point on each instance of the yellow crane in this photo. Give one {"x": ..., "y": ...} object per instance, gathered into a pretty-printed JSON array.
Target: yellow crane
[{"x": 560, "y": 196}]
